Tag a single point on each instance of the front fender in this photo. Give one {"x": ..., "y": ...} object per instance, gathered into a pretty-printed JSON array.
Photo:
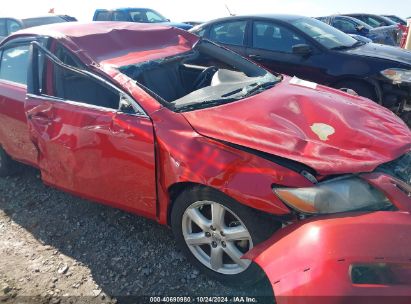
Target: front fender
[{"x": 184, "y": 156}]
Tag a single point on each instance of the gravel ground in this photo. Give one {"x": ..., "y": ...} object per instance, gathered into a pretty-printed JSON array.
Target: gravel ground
[{"x": 57, "y": 248}]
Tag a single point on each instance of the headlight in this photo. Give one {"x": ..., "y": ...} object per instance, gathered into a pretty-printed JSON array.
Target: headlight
[
  {"x": 397, "y": 76},
  {"x": 338, "y": 195}
]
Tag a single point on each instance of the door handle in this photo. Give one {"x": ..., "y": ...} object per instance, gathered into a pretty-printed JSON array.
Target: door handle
[
  {"x": 40, "y": 117},
  {"x": 255, "y": 57}
]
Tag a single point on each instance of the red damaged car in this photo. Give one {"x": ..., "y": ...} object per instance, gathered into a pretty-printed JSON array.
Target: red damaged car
[{"x": 248, "y": 167}]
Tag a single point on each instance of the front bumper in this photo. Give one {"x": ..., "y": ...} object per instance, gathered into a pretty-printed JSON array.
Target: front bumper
[{"x": 313, "y": 261}]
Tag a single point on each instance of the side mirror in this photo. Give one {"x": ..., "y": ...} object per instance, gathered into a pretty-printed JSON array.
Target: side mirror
[
  {"x": 302, "y": 49},
  {"x": 126, "y": 106}
]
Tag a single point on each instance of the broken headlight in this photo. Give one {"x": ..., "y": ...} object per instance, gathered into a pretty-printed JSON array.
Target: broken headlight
[
  {"x": 397, "y": 76},
  {"x": 334, "y": 196}
]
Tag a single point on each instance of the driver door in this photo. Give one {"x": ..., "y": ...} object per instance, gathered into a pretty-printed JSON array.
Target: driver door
[
  {"x": 92, "y": 139},
  {"x": 272, "y": 47}
]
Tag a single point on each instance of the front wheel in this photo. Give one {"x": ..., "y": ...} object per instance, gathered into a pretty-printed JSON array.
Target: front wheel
[
  {"x": 406, "y": 117},
  {"x": 215, "y": 232},
  {"x": 361, "y": 89}
]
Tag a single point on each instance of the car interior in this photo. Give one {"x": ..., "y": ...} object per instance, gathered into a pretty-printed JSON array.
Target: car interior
[
  {"x": 175, "y": 77},
  {"x": 229, "y": 33}
]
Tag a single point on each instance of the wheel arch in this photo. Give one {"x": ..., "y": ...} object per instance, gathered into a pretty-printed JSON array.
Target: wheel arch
[
  {"x": 370, "y": 83},
  {"x": 175, "y": 190}
]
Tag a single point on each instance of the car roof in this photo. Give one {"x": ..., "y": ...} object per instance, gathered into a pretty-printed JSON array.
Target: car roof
[
  {"x": 122, "y": 9},
  {"x": 22, "y": 18},
  {"x": 114, "y": 43},
  {"x": 350, "y": 18},
  {"x": 281, "y": 17}
]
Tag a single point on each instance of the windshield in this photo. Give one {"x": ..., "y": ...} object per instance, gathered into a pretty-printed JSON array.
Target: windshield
[
  {"x": 361, "y": 23},
  {"x": 146, "y": 16},
  {"x": 206, "y": 76},
  {"x": 326, "y": 35}
]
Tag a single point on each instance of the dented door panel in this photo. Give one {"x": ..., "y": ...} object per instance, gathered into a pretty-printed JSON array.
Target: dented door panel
[
  {"x": 15, "y": 138},
  {"x": 95, "y": 153}
]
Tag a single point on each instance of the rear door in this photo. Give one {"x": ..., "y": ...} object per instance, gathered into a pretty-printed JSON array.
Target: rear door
[
  {"x": 93, "y": 140},
  {"x": 14, "y": 134}
]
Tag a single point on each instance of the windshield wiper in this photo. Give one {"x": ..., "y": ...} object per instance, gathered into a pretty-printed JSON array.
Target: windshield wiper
[
  {"x": 204, "y": 104},
  {"x": 259, "y": 88},
  {"x": 346, "y": 47}
]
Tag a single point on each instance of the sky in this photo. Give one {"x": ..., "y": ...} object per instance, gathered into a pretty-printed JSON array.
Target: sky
[{"x": 197, "y": 10}]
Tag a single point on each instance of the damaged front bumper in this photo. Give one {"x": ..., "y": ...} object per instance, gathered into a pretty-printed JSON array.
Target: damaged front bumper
[
  {"x": 347, "y": 258},
  {"x": 354, "y": 257}
]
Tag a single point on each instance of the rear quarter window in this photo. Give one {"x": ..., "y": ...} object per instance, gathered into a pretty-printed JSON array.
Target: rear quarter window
[{"x": 102, "y": 16}]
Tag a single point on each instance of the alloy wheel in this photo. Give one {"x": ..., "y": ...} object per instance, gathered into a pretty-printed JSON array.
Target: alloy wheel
[{"x": 216, "y": 237}]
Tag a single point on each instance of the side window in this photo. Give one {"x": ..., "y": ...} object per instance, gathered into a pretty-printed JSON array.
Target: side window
[
  {"x": 138, "y": 16},
  {"x": 12, "y": 26},
  {"x": 273, "y": 37},
  {"x": 345, "y": 25},
  {"x": 229, "y": 32},
  {"x": 103, "y": 16},
  {"x": 120, "y": 16},
  {"x": 14, "y": 63},
  {"x": 70, "y": 85},
  {"x": 201, "y": 33},
  {"x": 153, "y": 17},
  {"x": 371, "y": 21},
  {"x": 3, "y": 30}
]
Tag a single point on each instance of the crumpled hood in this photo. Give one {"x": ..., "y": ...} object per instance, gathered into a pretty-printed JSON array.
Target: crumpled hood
[
  {"x": 381, "y": 51},
  {"x": 328, "y": 130}
]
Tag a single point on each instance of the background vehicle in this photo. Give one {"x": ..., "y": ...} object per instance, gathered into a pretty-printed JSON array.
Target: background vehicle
[
  {"x": 373, "y": 20},
  {"x": 379, "y": 21},
  {"x": 11, "y": 25},
  {"x": 139, "y": 15},
  {"x": 396, "y": 19},
  {"x": 68, "y": 18},
  {"x": 193, "y": 23},
  {"x": 352, "y": 26},
  {"x": 312, "y": 50}
]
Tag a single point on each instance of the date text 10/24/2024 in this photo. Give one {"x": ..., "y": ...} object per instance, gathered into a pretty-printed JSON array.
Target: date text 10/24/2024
[{"x": 205, "y": 299}]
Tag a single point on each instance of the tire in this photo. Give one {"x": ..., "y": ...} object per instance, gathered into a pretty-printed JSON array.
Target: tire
[
  {"x": 406, "y": 117},
  {"x": 193, "y": 209},
  {"x": 6, "y": 164},
  {"x": 361, "y": 89}
]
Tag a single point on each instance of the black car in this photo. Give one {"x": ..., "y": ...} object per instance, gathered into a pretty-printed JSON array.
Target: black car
[
  {"x": 373, "y": 20},
  {"x": 352, "y": 26},
  {"x": 11, "y": 25},
  {"x": 377, "y": 21},
  {"x": 310, "y": 49}
]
